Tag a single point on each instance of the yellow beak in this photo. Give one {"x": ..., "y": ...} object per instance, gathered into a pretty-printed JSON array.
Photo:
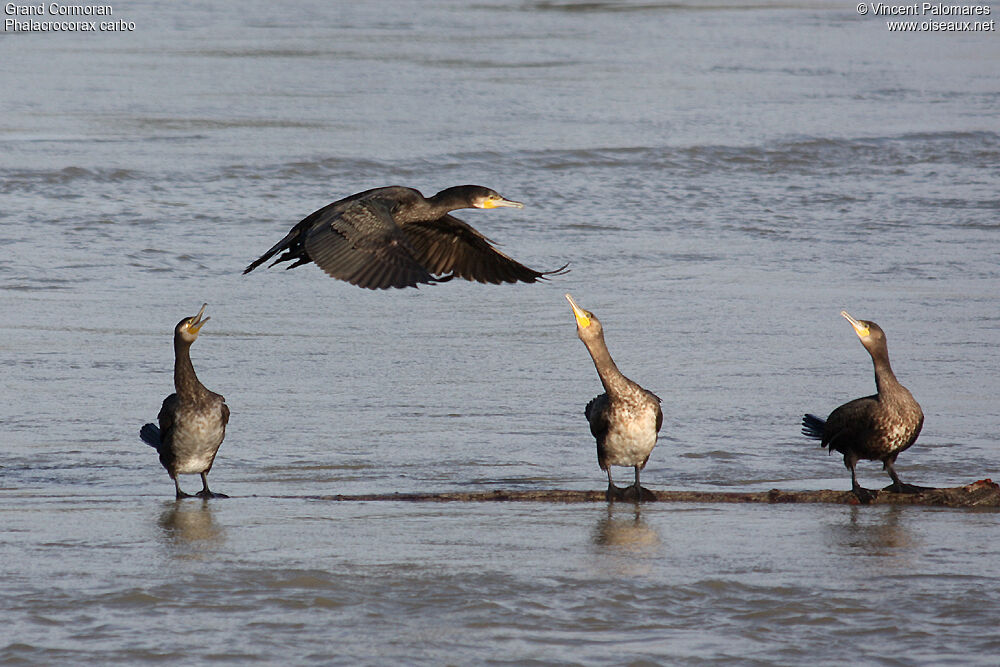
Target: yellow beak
[
  {"x": 582, "y": 320},
  {"x": 198, "y": 323},
  {"x": 502, "y": 203},
  {"x": 859, "y": 328}
]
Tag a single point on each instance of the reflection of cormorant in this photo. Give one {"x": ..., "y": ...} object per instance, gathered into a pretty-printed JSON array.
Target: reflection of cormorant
[
  {"x": 625, "y": 544},
  {"x": 628, "y": 533},
  {"x": 626, "y": 419},
  {"x": 191, "y": 523},
  {"x": 395, "y": 237},
  {"x": 881, "y": 543},
  {"x": 876, "y": 428},
  {"x": 192, "y": 420}
]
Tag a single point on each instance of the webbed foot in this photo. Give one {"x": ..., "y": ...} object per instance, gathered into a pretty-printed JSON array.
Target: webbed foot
[
  {"x": 864, "y": 496},
  {"x": 901, "y": 487},
  {"x": 205, "y": 494},
  {"x": 637, "y": 494}
]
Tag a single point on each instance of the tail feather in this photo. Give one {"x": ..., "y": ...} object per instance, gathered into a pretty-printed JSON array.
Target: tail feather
[
  {"x": 283, "y": 244},
  {"x": 812, "y": 426},
  {"x": 150, "y": 434}
]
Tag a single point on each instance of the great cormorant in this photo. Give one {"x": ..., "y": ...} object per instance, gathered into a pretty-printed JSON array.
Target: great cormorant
[
  {"x": 875, "y": 428},
  {"x": 395, "y": 237},
  {"x": 192, "y": 420},
  {"x": 625, "y": 419}
]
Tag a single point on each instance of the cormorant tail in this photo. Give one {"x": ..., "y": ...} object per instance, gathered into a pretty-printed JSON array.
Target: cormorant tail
[
  {"x": 150, "y": 434},
  {"x": 812, "y": 426},
  {"x": 283, "y": 244}
]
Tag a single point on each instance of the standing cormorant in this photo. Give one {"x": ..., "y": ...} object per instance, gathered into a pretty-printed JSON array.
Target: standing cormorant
[
  {"x": 192, "y": 420},
  {"x": 395, "y": 237},
  {"x": 626, "y": 419},
  {"x": 875, "y": 428}
]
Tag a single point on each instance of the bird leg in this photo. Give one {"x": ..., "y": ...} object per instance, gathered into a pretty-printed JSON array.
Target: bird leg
[
  {"x": 205, "y": 493},
  {"x": 899, "y": 487},
  {"x": 613, "y": 493},
  {"x": 863, "y": 495},
  {"x": 180, "y": 494},
  {"x": 636, "y": 493}
]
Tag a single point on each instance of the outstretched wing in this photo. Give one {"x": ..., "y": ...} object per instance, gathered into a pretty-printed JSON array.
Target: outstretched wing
[
  {"x": 449, "y": 246},
  {"x": 364, "y": 246}
]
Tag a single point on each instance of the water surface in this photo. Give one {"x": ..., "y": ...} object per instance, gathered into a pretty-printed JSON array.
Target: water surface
[{"x": 723, "y": 179}]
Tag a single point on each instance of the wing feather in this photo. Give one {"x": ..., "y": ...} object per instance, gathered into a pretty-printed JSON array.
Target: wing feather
[
  {"x": 363, "y": 246},
  {"x": 449, "y": 246}
]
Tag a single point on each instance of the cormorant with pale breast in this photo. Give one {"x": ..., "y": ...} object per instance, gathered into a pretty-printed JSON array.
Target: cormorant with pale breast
[
  {"x": 874, "y": 428},
  {"x": 192, "y": 420},
  {"x": 395, "y": 237},
  {"x": 625, "y": 419}
]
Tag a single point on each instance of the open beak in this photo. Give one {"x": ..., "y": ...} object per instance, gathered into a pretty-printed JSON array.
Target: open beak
[
  {"x": 582, "y": 319},
  {"x": 198, "y": 323},
  {"x": 860, "y": 328}
]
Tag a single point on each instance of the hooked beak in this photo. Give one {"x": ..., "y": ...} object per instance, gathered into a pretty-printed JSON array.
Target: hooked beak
[
  {"x": 582, "y": 319},
  {"x": 198, "y": 323},
  {"x": 860, "y": 328}
]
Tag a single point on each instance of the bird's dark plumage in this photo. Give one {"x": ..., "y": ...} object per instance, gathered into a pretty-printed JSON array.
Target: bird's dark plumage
[
  {"x": 395, "y": 237},
  {"x": 874, "y": 428},
  {"x": 192, "y": 420},
  {"x": 626, "y": 419}
]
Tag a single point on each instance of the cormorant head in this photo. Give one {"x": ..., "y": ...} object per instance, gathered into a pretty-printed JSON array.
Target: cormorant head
[
  {"x": 188, "y": 328},
  {"x": 871, "y": 334},
  {"x": 476, "y": 196},
  {"x": 587, "y": 324}
]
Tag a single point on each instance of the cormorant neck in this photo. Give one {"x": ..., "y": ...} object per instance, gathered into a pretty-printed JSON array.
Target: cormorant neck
[
  {"x": 420, "y": 209},
  {"x": 186, "y": 382},
  {"x": 448, "y": 200},
  {"x": 612, "y": 379},
  {"x": 885, "y": 379}
]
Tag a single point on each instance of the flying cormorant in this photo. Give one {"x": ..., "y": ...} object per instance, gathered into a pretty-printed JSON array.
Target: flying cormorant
[{"x": 395, "y": 237}]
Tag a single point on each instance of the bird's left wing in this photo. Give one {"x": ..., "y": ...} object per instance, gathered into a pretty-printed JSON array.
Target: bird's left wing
[{"x": 449, "y": 246}]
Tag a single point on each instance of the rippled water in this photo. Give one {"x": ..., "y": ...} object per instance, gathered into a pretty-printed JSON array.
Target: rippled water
[{"x": 723, "y": 180}]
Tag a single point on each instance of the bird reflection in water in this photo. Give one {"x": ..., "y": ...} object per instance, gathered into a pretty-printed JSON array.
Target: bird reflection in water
[
  {"x": 623, "y": 536},
  {"x": 191, "y": 529},
  {"x": 882, "y": 538}
]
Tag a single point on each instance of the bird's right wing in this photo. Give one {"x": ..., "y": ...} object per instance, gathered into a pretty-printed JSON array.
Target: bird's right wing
[
  {"x": 596, "y": 414},
  {"x": 166, "y": 417},
  {"x": 363, "y": 245},
  {"x": 292, "y": 243}
]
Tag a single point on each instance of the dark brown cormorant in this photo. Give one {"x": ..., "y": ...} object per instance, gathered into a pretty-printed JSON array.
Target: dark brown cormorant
[
  {"x": 192, "y": 420},
  {"x": 626, "y": 419},
  {"x": 875, "y": 428},
  {"x": 395, "y": 237}
]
